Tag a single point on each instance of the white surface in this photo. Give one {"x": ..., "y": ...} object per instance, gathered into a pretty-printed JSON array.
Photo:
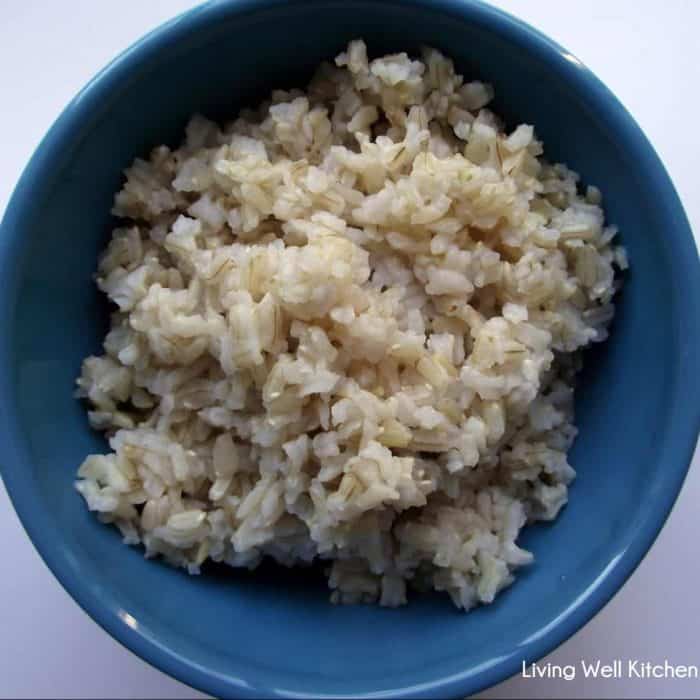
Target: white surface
[{"x": 645, "y": 52}]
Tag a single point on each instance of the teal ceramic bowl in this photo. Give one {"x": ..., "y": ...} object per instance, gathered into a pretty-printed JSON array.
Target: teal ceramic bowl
[{"x": 273, "y": 633}]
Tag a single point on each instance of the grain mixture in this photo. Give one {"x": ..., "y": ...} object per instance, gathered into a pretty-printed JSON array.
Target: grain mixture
[{"x": 347, "y": 329}]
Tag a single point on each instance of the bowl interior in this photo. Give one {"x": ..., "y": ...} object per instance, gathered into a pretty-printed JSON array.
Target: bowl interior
[{"x": 274, "y": 632}]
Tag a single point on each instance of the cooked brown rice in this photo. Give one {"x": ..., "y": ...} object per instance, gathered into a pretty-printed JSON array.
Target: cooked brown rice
[{"x": 347, "y": 329}]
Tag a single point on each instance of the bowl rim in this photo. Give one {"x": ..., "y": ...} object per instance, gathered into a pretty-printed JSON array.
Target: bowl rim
[{"x": 677, "y": 453}]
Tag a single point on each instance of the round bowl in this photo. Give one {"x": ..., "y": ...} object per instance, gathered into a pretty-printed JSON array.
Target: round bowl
[{"x": 273, "y": 633}]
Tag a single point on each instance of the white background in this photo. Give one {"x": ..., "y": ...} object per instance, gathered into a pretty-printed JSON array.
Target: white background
[{"x": 645, "y": 50}]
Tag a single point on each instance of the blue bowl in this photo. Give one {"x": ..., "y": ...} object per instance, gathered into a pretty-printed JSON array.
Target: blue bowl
[{"x": 274, "y": 633}]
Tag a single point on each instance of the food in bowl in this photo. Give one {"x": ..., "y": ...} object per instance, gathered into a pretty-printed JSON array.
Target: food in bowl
[{"x": 348, "y": 325}]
